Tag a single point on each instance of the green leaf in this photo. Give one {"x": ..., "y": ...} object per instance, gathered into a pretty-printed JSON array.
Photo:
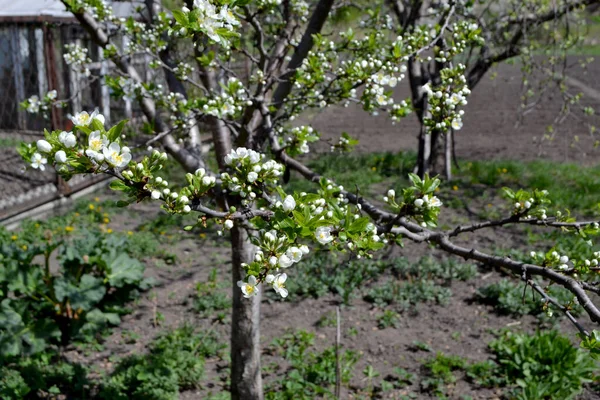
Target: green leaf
[
  {"x": 115, "y": 132},
  {"x": 118, "y": 185},
  {"x": 122, "y": 203},
  {"x": 123, "y": 270},
  {"x": 83, "y": 296},
  {"x": 358, "y": 225},
  {"x": 414, "y": 178},
  {"x": 180, "y": 17},
  {"x": 509, "y": 193},
  {"x": 96, "y": 125}
]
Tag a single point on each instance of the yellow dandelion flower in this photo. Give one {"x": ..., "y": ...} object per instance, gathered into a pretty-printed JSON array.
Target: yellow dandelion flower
[
  {"x": 69, "y": 228},
  {"x": 129, "y": 233},
  {"x": 24, "y": 247},
  {"x": 504, "y": 170},
  {"x": 454, "y": 187},
  {"x": 373, "y": 168},
  {"x": 91, "y": 206},
  {"x": 106, "y": 220},
  {"x": 14, "y": 237},
  {"x": 109, "y": 230},
  {"x": 96, "y": 199}
]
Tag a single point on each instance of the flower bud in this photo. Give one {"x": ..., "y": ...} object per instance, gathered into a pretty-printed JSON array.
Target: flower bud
[{"x": 43, "y": 146}]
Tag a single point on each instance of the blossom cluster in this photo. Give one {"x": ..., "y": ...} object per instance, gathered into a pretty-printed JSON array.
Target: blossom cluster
[
  {"x": 229, "y": 103},
  {"x": 77, "y": 58},
  {"x": 34, "y": 104},
  {"x": 206, "y": 18},
  {"x": 250, "y": 174},
  {"x": 296, "y": 139},
  {"x": 445, "y": 100},
  {"x": 417, "y": 201},
  {"x": 88, "y": 148}
]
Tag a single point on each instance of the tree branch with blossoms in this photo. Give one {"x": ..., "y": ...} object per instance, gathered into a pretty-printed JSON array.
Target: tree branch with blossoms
[{"x": 255, "y": 141}]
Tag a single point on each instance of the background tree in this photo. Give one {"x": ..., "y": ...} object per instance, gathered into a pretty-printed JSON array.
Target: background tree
[
  {"x": 244, "y": 71},
  {"x": 537, "y": 34}
]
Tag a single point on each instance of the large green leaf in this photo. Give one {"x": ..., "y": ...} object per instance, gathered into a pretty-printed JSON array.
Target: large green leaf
[
  {"x": 123, "y": 270},
  {"x": 20, "y": 336},
  {"x": 83, "y": 296}
]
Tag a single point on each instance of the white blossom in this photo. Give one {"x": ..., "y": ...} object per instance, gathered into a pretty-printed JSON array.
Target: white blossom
[
  {"x": 84, "y": 119},
  {"x": 38, "y": 161},
  {"x": 252, "y": 176},
  {"x": 294, "y": 253},
  {"x": 249, "y": 289},
  {"x": 115, "y": 156},
  {"x": 285, "y": 261},
  {"x": 323, "y": 234},
  {"x": 279, "y": 285}
]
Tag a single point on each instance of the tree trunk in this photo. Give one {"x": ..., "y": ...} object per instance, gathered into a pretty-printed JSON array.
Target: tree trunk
[
  {"x": 449, "y": 142},
  {"x": 435, "y": 154},
  {"x": 246, "y": 379}
]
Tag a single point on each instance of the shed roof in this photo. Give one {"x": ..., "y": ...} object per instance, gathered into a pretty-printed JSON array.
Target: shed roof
[{"x": 52, "y": 10}]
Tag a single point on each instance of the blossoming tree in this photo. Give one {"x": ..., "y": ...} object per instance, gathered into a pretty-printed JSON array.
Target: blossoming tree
[{"x": 290, "y": 67}]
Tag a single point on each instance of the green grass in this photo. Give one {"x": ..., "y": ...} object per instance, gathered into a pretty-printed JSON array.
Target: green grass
[
  {"x": 418, "y": 282},
  {"x": 175, "y": 363},
  {"x": 507, "y": 298},
  {"x": 311, "y": 373},
  {"x": 324, "y": 273},
  {"x": 571, "y": 186},
  {"x": 10, "y": 142},
  {"x": 542, "y": 366},
  {"x": 375, "y": 168},
  {"x": 440, "y": 373},
  {"x": 211, "y": 299}
]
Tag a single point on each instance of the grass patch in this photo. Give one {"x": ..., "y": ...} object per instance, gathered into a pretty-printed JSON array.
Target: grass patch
[
  {"x": 418, "y": 282},
  {"x": 375, "y": 168},
  {"x": 440, "y": 373},
  {"x": 43, "y": 375},
  {"x": 571, "y": 186},
  {"x": 535, "y": 367},
  {"x": 543, "y": 366},
  {"x": 211, "y": 299},
  {"x": 311, "y": 374},
  {"x": 507, "y": 298},
  {"x": 175, "y": 363},
  {"x": 324, "y": 273}
]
